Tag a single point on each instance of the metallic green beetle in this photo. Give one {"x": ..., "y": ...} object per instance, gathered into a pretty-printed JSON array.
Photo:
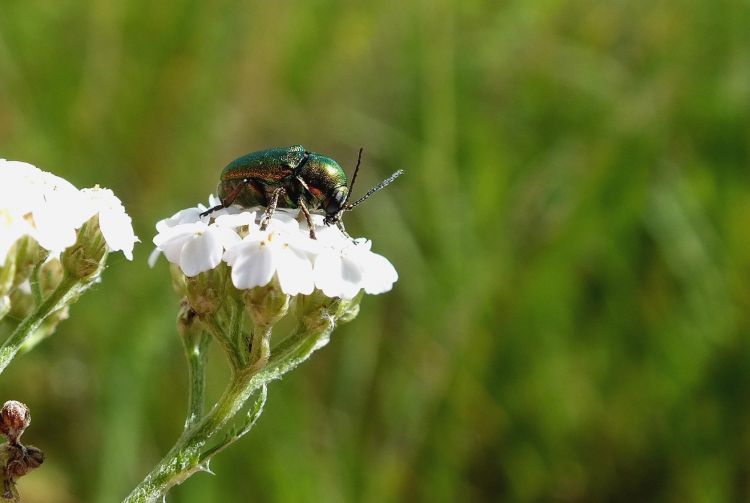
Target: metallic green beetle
[{"x": 291, "y": 177}]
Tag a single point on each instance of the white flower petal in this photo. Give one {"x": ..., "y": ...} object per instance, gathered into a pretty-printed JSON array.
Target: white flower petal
[
  {"x": 351, "y": 277},
  {"x": 294, "y": 271},
  {"x": 153, "y": 257},
  {"x": 253, "y": 264},
  {"x": 201, "y": 253},
  {"x": 117, "y": 229},
  {"x": 186, "y": 216},
  {"x": 213, "y": 201},
  {"x": 171, "y": 232},
  {"x": 227, "y": 237},
  {"x": 282, "y": 221},
  {"x": 328, "y": 234},
  {"x": 115, "y": 224},
  {"x": 327, "y": 274},
  {"x": 379, "y": 274},
  {"x": 172, "y": 239},
  {"x": 53, "y": 230},
  {"x": 246, "y": 218}
]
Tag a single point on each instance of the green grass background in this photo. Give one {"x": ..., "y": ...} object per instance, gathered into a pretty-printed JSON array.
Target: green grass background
[{"x": 571, "y": 320}]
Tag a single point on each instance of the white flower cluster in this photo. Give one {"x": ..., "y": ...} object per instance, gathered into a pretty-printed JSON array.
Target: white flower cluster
[
  {"x": 332, "y": 263},
  {"x": 50, "y": 210}
]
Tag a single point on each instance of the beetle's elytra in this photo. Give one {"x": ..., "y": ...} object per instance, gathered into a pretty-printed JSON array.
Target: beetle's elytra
[{"x": 291, "y": 177}]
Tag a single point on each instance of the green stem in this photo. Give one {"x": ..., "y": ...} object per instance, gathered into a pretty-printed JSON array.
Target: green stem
[
  {"x": 36, "y": 287},
  {"x": 196, "y": 354},
  {"x": 235, "y": 331},
  {"x": 187, "y": 456},
  {"x": 67, "y": 288},
  {"x": 260, "y": 350},
  {"x": 213, "y": 325},
  {"x": 252, "y": 418}
]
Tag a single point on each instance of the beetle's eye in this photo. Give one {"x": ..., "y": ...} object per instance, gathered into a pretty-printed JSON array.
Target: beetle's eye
[
  {"x": 332, "y": 206},
  {"x": 336, "y": 201}
]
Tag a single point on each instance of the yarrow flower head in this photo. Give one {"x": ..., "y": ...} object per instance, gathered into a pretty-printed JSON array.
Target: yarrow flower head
[
  {"x": 283, "y": 253},
  {"x": 54, "y": 240},
  {"x": 51, "y": 210}
]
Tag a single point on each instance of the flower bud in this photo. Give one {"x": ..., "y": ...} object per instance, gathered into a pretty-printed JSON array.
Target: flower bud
[
  {"x": 21, "y": 303},
  {"x": 266, "y": 304},
  {"x": 8, "y": 271},
  {"x": 206, "y": 291},
  {"x": 348, "y": 309},
  {"x": 14, "y": 419},
  {"x": 86, "y": 257},
  {"x": 50, "y": 275},
  {"x": 316, "y": 310},
  {"x": 28, "y": 255}
]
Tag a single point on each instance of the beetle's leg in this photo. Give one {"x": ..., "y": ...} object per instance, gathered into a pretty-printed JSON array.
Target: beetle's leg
[
  {"x": 306, "y": 212},
  {"x": 227, "y": 202},
  {"x": 211, "y": 210},
  {"x": 303, "y": 183},
  {"x": 340, "y": 225},
  {"x": 271, "y": 207}
]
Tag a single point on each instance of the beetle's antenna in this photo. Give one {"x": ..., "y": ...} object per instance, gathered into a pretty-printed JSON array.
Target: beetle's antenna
[
  {"x": 373, "y": 190},
  {"x": 354, "y": 176}
]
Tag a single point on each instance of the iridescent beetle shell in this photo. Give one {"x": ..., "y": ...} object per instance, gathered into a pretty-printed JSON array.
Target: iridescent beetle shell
[
  {"x": 291, "y": 177},
  {"x": 318, "y": 180}
]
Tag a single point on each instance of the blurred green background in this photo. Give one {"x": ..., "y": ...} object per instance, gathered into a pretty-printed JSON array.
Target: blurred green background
[{"x": 571, "y": 320}]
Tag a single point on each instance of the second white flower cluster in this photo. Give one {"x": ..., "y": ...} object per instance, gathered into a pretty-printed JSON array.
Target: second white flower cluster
[
  {"x": 333, "y": 263},
  {"x": 50, "y": 209}
]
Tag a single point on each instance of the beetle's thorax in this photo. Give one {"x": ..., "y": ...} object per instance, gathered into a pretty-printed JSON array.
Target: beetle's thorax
[{"x": 323, "y": 176}]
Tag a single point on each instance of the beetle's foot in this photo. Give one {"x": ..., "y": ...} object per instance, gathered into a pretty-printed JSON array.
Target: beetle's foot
[
  {"x": 341, "y": 227},
  {"x": 265, "y": 221}
]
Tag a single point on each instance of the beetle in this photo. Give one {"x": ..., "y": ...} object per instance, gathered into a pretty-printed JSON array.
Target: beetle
[{"x": 291, "y": 177}]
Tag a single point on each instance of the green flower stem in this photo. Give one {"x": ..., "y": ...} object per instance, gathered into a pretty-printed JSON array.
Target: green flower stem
[
  {"x": 235, "y": 331},
  {"x": 36, "y": 288},
  {"x": 188, "y": 455},
  {"x": 252, "y": 417},
  {"x": 213, "y": 325},
  {"x": 196, "y": 352},
  {"x": 260, "y": 350},
  {"x": 68, "y": 288}
]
